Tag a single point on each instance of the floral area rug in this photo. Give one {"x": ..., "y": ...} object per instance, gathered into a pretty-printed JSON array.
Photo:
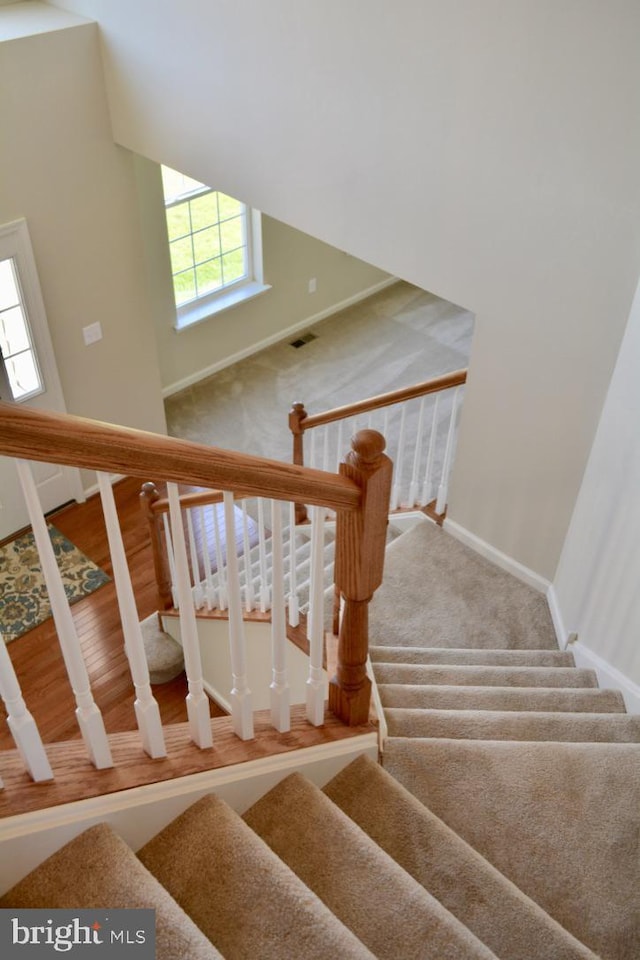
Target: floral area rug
[{"x": 24, "y": 601}]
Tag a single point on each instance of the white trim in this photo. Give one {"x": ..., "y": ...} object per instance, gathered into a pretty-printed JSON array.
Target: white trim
[
  {"x": 562, "y": 634},
  {"x": 497, "y": 557},
  {"x": 609, "y": 677},
  {"x": 201, "y": 309},
  {"x": 138, "y": 814},
  {"x": 275, "y": 338}
]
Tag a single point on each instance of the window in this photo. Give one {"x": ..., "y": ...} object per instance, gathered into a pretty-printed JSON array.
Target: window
[
  {"x": 21, "y": 374},
  {"x": 214, "y": 245}
]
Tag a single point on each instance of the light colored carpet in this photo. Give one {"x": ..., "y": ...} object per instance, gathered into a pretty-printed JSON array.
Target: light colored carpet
[
  {"x": 239, "y": 893},
  {"x": 439, "y": 593},
  {"x": 464, "y": 882},
  {"x": 98, "y": 869},
  {"x": 502, "y": 698},
  {"x": 395, "y": 338},
  {"x": 559, "y": 819},
  {"x": 469, "y": 656},
  {"x": 512, "y": 725},
  {"x": 385, "y": 907},
  {"x": 529, "y": 762}
]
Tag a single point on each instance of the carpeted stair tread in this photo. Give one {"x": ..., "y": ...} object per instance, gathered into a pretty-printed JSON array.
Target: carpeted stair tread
[
  {"x": 445, "y": 697},
  {"x": 559, "y": 819},
  {"x": 483, "y": 675},
  {"x": 513, "y": 725},
  {"x": 385, "y": 907},
  {"x": 98, "y": 869},
  {"x": 467, "y": 656},
  {"x": 465, "y": 883},
  {"x": 239, "y": 893},
  {"x": 438, "y": 592}
]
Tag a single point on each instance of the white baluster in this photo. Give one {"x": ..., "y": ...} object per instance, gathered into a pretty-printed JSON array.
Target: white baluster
[
  {"x": 222, "y": 577},
  {"x": 426, "y": 487},
  {"x": 210, "y": 594},
  {"x": 325, "y": 448},
  {"x": 443, "y": 489},
  {"x": 241, "y": 710},
  {"x": 197, "y": 592},
  {"x": 294, "y": 612},
  {"x": 249, "y": 599},
  {"x": 312, "y": 450},
  {"x": 87, "y": 713},
  {"x": 280, "y": 700},
  {"x": 146, "y": 707},
  {"x": 315, "y": 683},
  {"x": 397, "y": 479},
  {"x": 170, "y": 556},
  {"x": 262, "y": 551},
  {"x": 339, "y": 449},
  {"x": 417, "y": 453},
  {"x": 21, "y": 724},
  {"x": 197, "y": 701}
]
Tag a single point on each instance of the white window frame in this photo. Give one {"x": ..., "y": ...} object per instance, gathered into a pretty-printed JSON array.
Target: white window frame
[{"x": 214, "y": 302}]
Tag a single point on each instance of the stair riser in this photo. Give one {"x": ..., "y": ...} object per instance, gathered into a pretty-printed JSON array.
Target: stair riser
[
  {"x": 507, "y": 699},
  {"x": 464, "y": 657},
  {"x": 488, "y": 725},
  {"x": 484, "y": 675}
]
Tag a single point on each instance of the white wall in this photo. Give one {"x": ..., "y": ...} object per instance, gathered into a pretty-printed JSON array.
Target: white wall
[
  {"x": 486, "y": 151},
  {"x": 597, "y": 583},
  {"x": 60, "y": 169},
  {"x": 291, "y": 258}
]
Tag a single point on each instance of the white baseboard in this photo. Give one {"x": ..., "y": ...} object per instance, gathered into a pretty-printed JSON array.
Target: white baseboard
[
  {"x": 609, "y": 677},
  {"x": 562, "y": 634},
  {"x": 497, "y": 557},
  {"x": 275, "y": 338}
]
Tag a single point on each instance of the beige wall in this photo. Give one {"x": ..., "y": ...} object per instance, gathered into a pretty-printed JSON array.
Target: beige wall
[
  {"x": 291, "y": 258},
  {"x": 486, "y": 151},
  {"x": 60, "y": 169}
]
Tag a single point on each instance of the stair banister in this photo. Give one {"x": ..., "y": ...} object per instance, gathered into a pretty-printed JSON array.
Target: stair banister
[
  {"x": 360, "y": 549},
  {"x": 359, "y": 495}
]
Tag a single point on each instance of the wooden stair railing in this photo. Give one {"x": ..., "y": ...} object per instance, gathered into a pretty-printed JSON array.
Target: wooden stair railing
[
  {"x": 359, "y": 495},
  {"x": 300, "y": 422}
]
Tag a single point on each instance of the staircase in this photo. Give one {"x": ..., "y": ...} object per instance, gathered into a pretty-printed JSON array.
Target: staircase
[{"x": 505, "y": 822}]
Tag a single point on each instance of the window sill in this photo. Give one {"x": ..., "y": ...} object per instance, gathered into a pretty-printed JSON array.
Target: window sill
[{"x": 199, "y": 312}]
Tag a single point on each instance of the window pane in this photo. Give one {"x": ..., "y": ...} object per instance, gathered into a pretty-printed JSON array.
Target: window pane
[
  {"x": 178, "y": 222},
  {"x": 234, "y": 266},
  {"x": 13, "y": 332},
  {"x": 232, "y": 234},
  {"x": 181, "y": 255},
  {"x": 9, "y": 296},
  {"x": 176, "y": 184},
  {"x": 184, "y": 286},
  {"x": 209, "y": 277},
  {"x": 23, "y": 374},
  {"x": 206, "y": 244},
  {"x": 229, "y": 207},
  {"x": 204, "y": 211}
]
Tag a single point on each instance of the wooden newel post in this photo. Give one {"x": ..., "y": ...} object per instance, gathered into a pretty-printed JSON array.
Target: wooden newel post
[
  {"x": 296, "y": 415},
  {"x": 148, "y": 496},
  {"x": 360, "y": 547}
]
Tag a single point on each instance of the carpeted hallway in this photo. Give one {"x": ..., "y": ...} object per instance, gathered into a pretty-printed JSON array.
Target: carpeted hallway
[{"x": 504, "y": 824}]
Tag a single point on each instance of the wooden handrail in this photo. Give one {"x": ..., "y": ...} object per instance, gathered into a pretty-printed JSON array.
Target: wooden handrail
[
  {"x": 435, "y": 385},
  {"x": 78, "y": 442}
]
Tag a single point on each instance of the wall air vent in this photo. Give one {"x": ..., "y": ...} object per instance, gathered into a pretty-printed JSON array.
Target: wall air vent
[{"x": 305, "y": 338}]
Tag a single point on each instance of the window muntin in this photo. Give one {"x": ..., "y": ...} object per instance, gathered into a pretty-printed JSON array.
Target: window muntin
[
  {"x": 16, "y": 343},
  {"x": 209, "y": 238}
]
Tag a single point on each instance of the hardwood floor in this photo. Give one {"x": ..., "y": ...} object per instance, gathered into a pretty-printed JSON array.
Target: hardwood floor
[{"x": 36, "y": 655}]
